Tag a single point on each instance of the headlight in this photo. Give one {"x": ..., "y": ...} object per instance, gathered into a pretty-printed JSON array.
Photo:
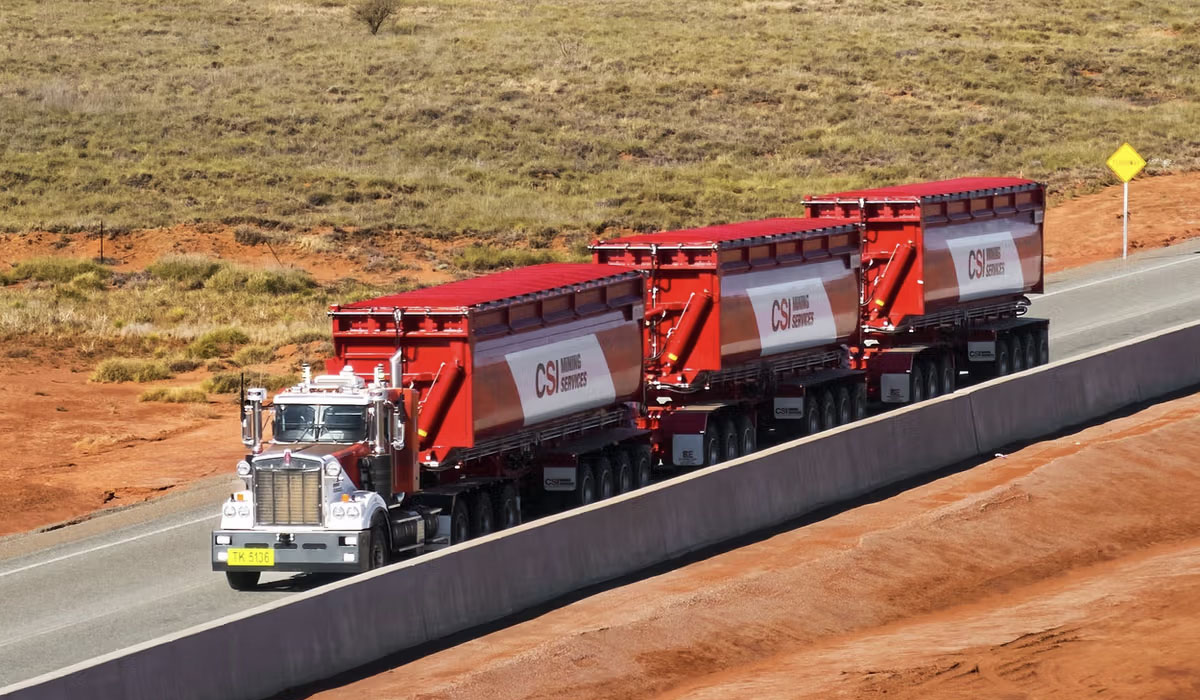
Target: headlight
[
  {"x": 338, "y": 511},
  {"x": 352, "y": 511},
  {"x": 333, "y": 469},
  {"x": 243, "y": 468},
  {"x": 243, "y": 510},
  {"x": 229, "y": 510}
]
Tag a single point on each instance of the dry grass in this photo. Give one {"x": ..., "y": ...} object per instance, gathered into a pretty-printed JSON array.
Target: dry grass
[
  {"x": 126, "y": 369},
  {"x": 475, "y": 116},
  {"x": 174, "y": 395}
]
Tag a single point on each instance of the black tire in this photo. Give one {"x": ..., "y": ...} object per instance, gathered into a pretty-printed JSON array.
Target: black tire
[
  {"x": 843, "y": 408},
  {"x": 379, "y": 554},
  {"x": 623, "y": 471},
  {"x": 1003, "y": 363},
  {"x": 916, "y": 382},
  {"x": 712, "y": 444},
  {"x": 949, "y": 375},
  {"x": 643, "y": 468},
  {"x": 1031, "y": 350},
  {"x": 585, "y": 485},
  {"x": 812, "y": 413},
  {"x": 1043, "y": 346},
  {"x": 242, "y": 580},
  {"x": 483, "y": 520},
  {"x": 606, "y": 485},
  {"x": 504, "y": 505},
  {"x": 860, "y": 401},
  {"x": 460, "y": 521},
  {"x": 828, "y": 411},
  {"x": 747, "y": 436},
  {"x": 933, "y": 379},
  {"x": 730, "y": 442},
  {"x": 1016, "y": 352}
]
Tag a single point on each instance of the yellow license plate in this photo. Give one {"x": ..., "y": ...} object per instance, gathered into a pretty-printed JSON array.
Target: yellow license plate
[{"x": 251, "y": 557}]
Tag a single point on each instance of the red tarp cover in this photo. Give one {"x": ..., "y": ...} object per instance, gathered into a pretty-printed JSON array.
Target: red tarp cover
[
  {"x": 730, "y": 232},
  {"x": 931, "y": 189}
]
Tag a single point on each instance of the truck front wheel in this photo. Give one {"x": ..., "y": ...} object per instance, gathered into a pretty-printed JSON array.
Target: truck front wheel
[
  {"x": 379, "y": 553},
  {"x": 460, "y": 523},
  {"x": 242, "y": 580}
]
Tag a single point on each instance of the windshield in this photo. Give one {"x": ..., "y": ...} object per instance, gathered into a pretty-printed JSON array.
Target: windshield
[{"x": 306, "y": 423}]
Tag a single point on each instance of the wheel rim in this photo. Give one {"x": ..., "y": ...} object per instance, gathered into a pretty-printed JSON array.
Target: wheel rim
[
  {"x": 461, "y": 530},
  {"x": 948, "y": 380},
  {"x": 588, "y": 491},
  {"x": 918, "y": 387},
  {"x": 931, "y": 383},
  {"x": 606, "y": 485},
  {"x": 731, "y": 448},
  {"x": 626, "y": 479},
  {"x": 1002, "y": 363},
  {"x": 714, "y": 453},
  {"x": 748, "y": 441}
]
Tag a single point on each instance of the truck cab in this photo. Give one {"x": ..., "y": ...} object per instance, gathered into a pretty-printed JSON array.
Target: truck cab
[{"x": 327, "y": 492}]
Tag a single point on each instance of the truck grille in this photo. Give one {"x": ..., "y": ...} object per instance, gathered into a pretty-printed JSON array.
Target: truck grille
[{"x": 287, "y": 496}]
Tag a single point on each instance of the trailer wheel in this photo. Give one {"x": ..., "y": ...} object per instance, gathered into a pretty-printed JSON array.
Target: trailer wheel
[
  {"x": 845, "y": 411},
  {"x": 933, "y": 380},
  {"x": 812, "y": 414},
  {"x": 858, "y": 397},
  {"x": 379, "y": 553},
  {"x": 949, "y": 377},
  {"x": 623, "y": 471},
  {"x": 730, "y": 442},
  {"x": 747, "y": 436},
  {"x": 483, "y": 522},
  {"x": 460, "y": 521},
  {"x": 606, "y": 486},
  {"x": 712, "y": 444},
  {"x": 1043, "y": 346},
  {"x": 643, "y": 470},
  {"x": 828, "y": 410},
  {"x": 505, "y": 504},
  {"x": 242, "y": 580},
  {"x": 1016, "y": 344},
  {"x": 585, "y": 485},
  {"x": 1030, "y": 342},
  {"x": 1003, "y": 364},
  {"x": 916, "y": 378}
]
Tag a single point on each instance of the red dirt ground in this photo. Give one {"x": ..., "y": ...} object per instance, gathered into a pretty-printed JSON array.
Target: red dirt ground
[
  {"x": 1070, "y": 568},
  {"x": 91, "y": 446}
]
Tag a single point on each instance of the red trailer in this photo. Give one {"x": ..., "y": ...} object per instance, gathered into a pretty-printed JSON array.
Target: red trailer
[
  {"x": 946, "y": 267},
  {"x": 747, "y": 327}
]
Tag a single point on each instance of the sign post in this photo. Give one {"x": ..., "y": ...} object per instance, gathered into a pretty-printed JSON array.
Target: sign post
[{"x": 1125, "y": 164}]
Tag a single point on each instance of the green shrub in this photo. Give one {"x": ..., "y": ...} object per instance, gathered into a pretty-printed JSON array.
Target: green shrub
[
  {"x": 124, "y": 369},
  {"x": 279, "y": 281},
  {"x": 479, "y": 257},
  {"x": 88, "y": 281},
  {"x": 174, "y": 395},
  {"x": 189, "y": 270},
  {"x": 55, "y": 270},
  {"x": 253, "y": 355},
  {"x": 182, "y": 364},
  {"x": 227, "y": 279},
  {"x": 231, "y": 382},
  {"x": 217, "y": 343},
  {"x": 248, "y": 235}
]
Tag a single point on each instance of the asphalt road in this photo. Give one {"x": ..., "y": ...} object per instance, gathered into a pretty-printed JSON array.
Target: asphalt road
[{"x": 105, "y": 584}]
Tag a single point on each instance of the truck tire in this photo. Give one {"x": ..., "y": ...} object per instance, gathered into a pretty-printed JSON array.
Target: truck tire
[
  {"x": 1043, "y": 345},
  {"x": 606, "y": 486},
  {"x": 505, "y": 505},
  {"x": 643, "y": 469},
  {"x": 623, "y": 471},
  {"x": 730, "y": 441},
  {"x": 242, "y": 580},
  {"x": 1016, "y": 352},
  {"x": 916, "y": 379},
  {"x": 460, "y": 521},
  {"x": 828, "y": 411},
  {"x": 812, "y": 413},
  {"x": 844, "y": 410},
  {"x": 860, "y": 401},
  {"x": 1003, "y": 358},
  {"x": 585, "y": 485},
  {"x": 380, "y": 551},
  {"x": 933, "y": 380},
  {"x": 747, "y": 436},
  {"x": 948, "y": 375},
  {"x": 483, "y": 521},
  {"x": 1029, "y": 341},
  {"x": 712, "y": 444}
]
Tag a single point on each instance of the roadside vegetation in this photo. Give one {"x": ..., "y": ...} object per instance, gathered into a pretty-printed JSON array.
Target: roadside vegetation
[{"x": 467, "y": 117}]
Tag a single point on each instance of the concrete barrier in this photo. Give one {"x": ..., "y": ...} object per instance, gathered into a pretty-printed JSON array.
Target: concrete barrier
[{"x": 320, "y": 633}]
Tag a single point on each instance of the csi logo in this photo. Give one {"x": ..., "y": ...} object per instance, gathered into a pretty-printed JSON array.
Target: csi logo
[
  {"x": 984, "y": 262},
  {"x": 563, "y": 374},
  {"x": 790, "y": 312}
]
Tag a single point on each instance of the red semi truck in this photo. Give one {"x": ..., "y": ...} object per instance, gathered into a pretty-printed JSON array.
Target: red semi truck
[{"x": 444, "y": 406}]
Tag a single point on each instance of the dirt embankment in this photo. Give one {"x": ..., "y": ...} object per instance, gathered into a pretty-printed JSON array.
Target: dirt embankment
[
  {"x": 89, "y": 446},
  {"x": 1067, "y": 569}
]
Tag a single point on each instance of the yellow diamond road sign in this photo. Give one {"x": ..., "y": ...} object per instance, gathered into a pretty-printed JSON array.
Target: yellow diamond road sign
[{"x": 1125, "y": 162}]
